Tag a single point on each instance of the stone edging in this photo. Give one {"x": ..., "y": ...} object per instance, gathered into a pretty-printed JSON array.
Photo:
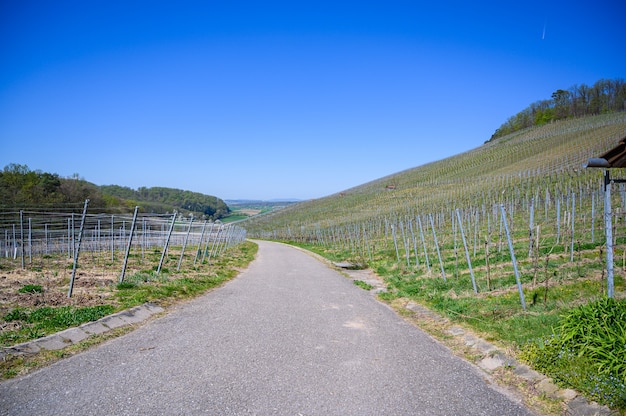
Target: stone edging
[{"x": 74, "y": 335}]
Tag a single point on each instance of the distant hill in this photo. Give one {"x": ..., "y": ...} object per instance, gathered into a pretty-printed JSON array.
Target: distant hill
[
  {"x": 242, "y": 209},
  {"x": 22, "y": 188},
  {"x": 162, "y": 200}
]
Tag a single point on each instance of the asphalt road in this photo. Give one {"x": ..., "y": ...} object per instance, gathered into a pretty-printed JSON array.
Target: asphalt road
[{"x": 288, "y": 336}]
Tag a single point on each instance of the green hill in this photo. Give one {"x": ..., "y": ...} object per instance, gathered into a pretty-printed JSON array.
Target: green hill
[
  {"x": 537, "y": 159},
  {"x": 22, "y": 188},
  {"x": 162, "y": 200}
]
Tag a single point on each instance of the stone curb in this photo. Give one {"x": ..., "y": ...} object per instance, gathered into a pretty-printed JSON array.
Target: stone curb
[
  {"x": 493, "y": 359},
  {"x": 74, "y": 335}
]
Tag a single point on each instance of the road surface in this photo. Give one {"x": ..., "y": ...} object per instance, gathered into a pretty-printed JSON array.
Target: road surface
[{"x": 288, "y": 336}]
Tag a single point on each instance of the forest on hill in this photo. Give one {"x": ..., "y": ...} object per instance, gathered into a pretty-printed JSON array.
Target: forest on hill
[
  {"x": 604, "y": 96},
  {"x": 23, "y": 188},
  {"x": 158, "y": 199}
]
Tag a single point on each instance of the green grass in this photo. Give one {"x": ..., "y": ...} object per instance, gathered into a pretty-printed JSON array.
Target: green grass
[
  {"x": 586, "y": 351},
  {"x": 363, "y": 285},
  {"x": 167, "y": 287},
  {"x": 39, "y": 322},
  {"x": 233, "y": 218}
]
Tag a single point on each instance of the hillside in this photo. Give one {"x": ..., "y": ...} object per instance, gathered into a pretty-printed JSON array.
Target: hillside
[
  {"x": 507, "y": 239},
  {"x": 529, "y": 161}
]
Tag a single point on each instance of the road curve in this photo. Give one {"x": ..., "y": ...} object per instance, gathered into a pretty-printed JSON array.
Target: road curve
[{"x": 288, "y": 336}]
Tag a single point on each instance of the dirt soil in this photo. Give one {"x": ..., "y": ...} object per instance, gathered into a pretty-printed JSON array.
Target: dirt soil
[{"x": 91, "y": 288}]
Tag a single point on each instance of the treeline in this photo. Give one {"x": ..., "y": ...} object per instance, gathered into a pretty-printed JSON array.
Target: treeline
[
  {"x": 605, "y": 96},
  {"x": 161, "y": 200},
  {"x": 22, "y": 188}
]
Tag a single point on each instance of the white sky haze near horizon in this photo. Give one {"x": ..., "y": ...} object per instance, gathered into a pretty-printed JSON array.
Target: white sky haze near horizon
[{"x": 277, "y": 99}]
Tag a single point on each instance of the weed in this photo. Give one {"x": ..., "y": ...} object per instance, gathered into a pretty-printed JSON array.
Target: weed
[
  {"x": 363, "y": 285},
  {"x": 31, "y": 289},
  {"x": 126, "y": 285}
]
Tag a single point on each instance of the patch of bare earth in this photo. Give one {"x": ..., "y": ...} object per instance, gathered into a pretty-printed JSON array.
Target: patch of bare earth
[{"x": 90, "y": 289}]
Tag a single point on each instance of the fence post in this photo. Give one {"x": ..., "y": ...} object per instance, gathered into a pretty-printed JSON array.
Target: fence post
[
  {"x": 130, "y": 241},
  {"x": 432, "y": 225},
  {"x": 77, "y": 249},
  {"x": 112, "y": 238},
  {"x": 30, "y": 241},
  {"x": 214, "y": 244},
  {"x": 395, "y": 242},
  {"x": 22, "y": 237},
  {"x": 206, "y": 246},
  {"x": 167, "y": 242},
  {"x": 182, "y": 252},
  {"x": 419, "y": 223},
  {"x": 200, "y": 242},
  {"x": 513, "y": 260},
  {"x": 608, "y": 231},
  {"x": 571, "y": 258},
  {"x": 469, "y": 262}
]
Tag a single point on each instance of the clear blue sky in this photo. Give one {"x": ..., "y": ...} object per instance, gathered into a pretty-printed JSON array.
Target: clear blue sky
[{"x": 281, "y": 99}]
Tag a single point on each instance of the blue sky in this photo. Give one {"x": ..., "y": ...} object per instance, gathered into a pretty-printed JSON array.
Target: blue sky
[{"x": 281, "y": 99}]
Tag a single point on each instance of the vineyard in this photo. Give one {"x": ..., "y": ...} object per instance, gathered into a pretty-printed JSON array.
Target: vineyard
[
  {"x": 428, "y": 219},
  {"x": 505, "y": 238},
  {"x": 66, "y": 256}
]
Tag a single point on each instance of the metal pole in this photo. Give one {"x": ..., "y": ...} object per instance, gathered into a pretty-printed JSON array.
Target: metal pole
[
  {"x": 469, "y": 263},
  {"x": 182, "y": 252},
  {"x": 112, "y": 239},
  {"x": 77, "y": 249},
  {"x": 608, "y": 231},
  {"x": 432, "y": 225},
  {"x": 22, "y": 237},
  {"x": 30, "y": 241},
  {"x": 130, "y": 241},
  {"x": 419, "y": 223},
  {"x": 69, "y": 239},
  {"x": 513, "y": 260},
  {"x": 214, "y": 244},
  {"x": 167, "y": 242},
  {"x": 206, "y": 246},
  {"x": 395, "y": 242},
  {"x": 200, "y": 242},
  {"x": 571, "y": 250}
]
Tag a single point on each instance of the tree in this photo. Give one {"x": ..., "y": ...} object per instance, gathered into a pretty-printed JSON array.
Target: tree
[{"x": 561, "y": 103}]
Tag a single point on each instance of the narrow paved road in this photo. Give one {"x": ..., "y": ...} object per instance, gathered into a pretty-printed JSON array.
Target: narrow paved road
[{"x": 289, "y": 336}]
